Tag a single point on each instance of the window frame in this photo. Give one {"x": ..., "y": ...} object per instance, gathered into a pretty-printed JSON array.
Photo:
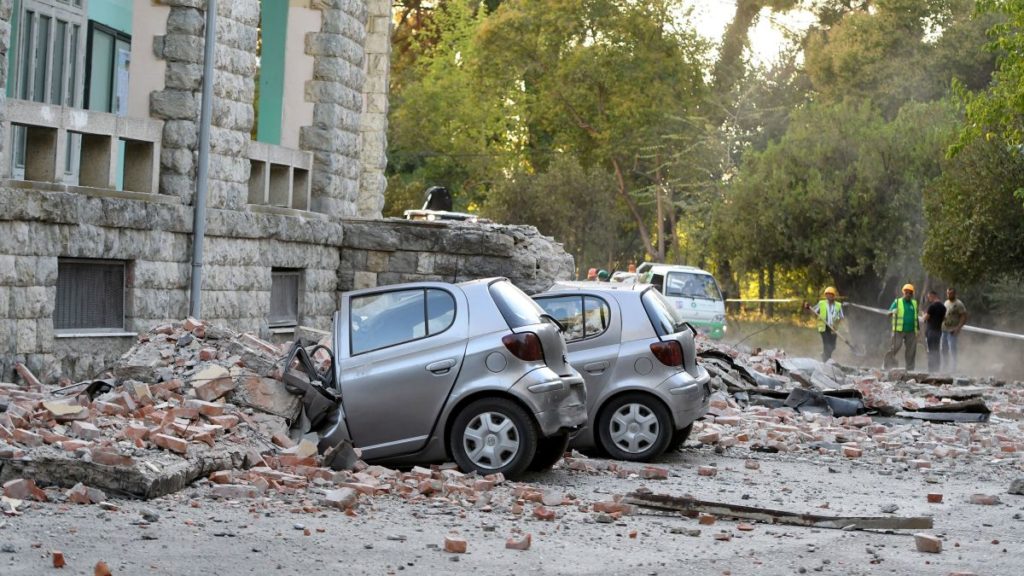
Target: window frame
[
  {"x": 95, "y": 330},
  {"x": 426, "y": 317},
  {"x": 116, "y": 35},
  {"x": 281, "y": 322},
  {"x": 583, "y": 313}
]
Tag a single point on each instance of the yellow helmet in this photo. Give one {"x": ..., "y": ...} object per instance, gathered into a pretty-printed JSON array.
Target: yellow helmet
[
  {"x": 831, "y": 290},
  {"x": 908, "y": 287}
]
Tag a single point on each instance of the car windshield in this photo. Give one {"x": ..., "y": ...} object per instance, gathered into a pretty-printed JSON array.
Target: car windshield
[
  {"x": 692, "y": 285},
  {"x": 517, "y": 308},
  {"x": 664, "y": 319}
]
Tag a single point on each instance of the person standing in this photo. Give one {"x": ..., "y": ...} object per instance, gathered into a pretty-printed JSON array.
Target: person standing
[
  {"x": 904, "y": 328},
  {"x": 933, "y": 317},
  {"x": 829, "y": 313},
  {"x": 956, "y": 317}
]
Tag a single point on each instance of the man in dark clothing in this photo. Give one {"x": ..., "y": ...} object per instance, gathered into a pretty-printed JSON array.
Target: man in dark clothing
[{"x": 933, "y": 317}]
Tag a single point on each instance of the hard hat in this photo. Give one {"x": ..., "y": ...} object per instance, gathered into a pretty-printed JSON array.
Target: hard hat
[
  {"x": 602, "y": 274},
  {"x": 831, "y": 290},
  {"x": 908, "y": 287}
]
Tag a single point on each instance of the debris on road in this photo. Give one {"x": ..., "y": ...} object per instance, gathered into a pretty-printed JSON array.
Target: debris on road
[{"x": 694, "y": 508}]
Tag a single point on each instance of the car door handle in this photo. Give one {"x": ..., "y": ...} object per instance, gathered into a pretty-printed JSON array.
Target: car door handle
[
  {"x": 441, "y": 366},
  {"x": 595, "y": 367}
]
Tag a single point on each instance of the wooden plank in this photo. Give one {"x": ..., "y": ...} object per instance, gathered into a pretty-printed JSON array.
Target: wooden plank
[{"x": 692, "y": 506}]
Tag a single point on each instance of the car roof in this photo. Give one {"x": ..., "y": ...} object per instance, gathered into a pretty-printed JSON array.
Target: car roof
[
  {"x": 589, "y": 286},
  {"x": 662, "y": 268}
]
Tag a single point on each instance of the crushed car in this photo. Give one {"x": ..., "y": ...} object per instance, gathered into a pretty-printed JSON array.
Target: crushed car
[
  {"x": 644, "y": 386},
  {"x": 430, "y": 371}
]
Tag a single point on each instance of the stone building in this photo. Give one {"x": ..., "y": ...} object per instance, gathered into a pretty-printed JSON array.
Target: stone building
[{"x": 99, "y": 117}]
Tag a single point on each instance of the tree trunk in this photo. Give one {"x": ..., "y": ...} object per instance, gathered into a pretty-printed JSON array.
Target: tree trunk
[
  {"x": 760, "y": 290},
  {"x": 634, "y": 210},
  {"x": 771, "y": 290}
]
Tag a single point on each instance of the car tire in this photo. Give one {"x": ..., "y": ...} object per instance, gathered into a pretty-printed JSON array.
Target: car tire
[
  {"x": 549, "y": 452},
  {"x": 634, "y": 427},
  {"x": 493, "y": 435},
  {"x": 679, "y": 437}
]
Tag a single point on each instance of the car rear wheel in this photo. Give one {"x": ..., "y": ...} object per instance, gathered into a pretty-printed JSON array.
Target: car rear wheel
[
  {"x": 493, "y": 435},
  {"x": 679, "y": 438},
  {"x": 634, "y": 427},
  {"x": 549, "y": 452}
]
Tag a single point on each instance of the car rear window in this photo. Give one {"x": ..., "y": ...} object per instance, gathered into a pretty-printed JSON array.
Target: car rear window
[
  {"x": 516, "y": 308},
  {"x": 663, "y": 317}
]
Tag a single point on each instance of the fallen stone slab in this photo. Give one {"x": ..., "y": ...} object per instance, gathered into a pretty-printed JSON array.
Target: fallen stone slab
[{"x": 158, "y": 474}]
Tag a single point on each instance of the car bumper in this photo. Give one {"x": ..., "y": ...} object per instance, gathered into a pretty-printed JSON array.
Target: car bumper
[
  {"x": 559, "y": 403},
  {"x": 687, "y": 396}
]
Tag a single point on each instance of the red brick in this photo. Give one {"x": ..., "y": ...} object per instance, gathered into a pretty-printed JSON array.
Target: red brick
[
  {"x": 221, "y": 477},
  {"x": 483, "y": 485},
  {"x": 85, "y": 430},
  {"x": 205, "y": 408},
  {"x": 109, "y": 408},
  {"x": 51, "y": 438},
  {"x": 191, "y": 324},
  {"x": 58, "y": 559},
  {"x": 212, "y": 382},
  {"x": 927, "y": 543},
  {"x": 934, "y": 498},
  {"x": 207, "y": 354},
  {"x": 23, "y": 489},
  {"x": 140, "y": 392},
  {"x": 135, "y": 432},
  {"x": 706, "y": 519},
  {"x": 723, "y": 536},
  {"x": 743, "y": 526},
  {"x": 919, "y": 464},
  {"x": 455, "y": 545},
  {"x": 282, "y": 440},
  {"x": 101, "y": 569},
  {"x": 752, "y": 465},
  {"x": 342, "y": 498},
  {"x": 27, "y": 438},
  {"x": 708, "y": 437},
  {"x": 707, "y": 471},
  {"x": 27, "y": 375},
  {"x": 228, "y": 421},
  {"x": 234, "y": 491},
  {"x": 609, "y": 507},
  {"x": 728, "y": 420},
  {"x": 111, "y": 458},
  {"x": 654, "y": 473},
  {"x": 521, "y": 543},
  {"x": 72, "y": 445},
  {"x": 82, "y": 494},
  {"x": 852, "y": 452},
  {"x": 542, "y": 513},
  {"x": 170, "y": 443}
]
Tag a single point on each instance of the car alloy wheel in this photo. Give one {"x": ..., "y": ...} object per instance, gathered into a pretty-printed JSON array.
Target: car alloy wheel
[{"x": 493, "y": 435}]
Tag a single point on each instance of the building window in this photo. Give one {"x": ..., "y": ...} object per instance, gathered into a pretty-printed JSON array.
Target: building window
[
  {"x": 284, "y": 297},
  {"x": 106, "y": 71},
  {"x": 90, "y": 295}
]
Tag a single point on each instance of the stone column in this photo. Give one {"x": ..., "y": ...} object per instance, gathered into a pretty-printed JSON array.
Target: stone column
[
  {"x": 234, "y": 88},
  {"x": 336, "y": 92},
  {"x": 374, "y": 126},
  {"x": 5, "y": 41}
]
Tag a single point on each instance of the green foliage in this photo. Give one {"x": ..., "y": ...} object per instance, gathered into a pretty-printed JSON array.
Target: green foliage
[{"x": 976, "y": 226}]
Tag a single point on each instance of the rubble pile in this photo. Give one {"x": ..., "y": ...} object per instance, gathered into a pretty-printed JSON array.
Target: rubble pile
[
  {"x": 187, "y": 401},
  {"x": 769, "y": 403}
]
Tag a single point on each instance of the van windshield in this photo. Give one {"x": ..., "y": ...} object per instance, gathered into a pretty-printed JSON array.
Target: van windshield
[{"x": 691, "y": 285}]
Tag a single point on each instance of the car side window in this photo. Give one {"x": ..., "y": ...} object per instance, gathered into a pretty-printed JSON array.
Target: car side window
[
  {"x": 440, "y": 311},
  {"x": 385, "y": 319},
  {"x": 596, "y": 315},
  {"x": 568, "y": 310}
]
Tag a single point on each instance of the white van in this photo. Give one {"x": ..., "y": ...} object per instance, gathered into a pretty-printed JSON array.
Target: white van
[{"x": 692, "y": 291}]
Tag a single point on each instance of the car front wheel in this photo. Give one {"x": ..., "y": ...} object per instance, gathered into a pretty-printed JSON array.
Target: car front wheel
[
  {"x": 634, "y": 427},
  {"x": 493, "y": 435}
]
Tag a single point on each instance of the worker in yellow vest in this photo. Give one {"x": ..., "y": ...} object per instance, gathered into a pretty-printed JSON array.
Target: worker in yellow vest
[
  {"x": 829, "y": 313},
  {"x": 904, "y": 328}
]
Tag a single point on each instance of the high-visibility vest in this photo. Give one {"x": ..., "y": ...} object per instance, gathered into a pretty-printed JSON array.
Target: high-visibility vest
[
  {"x": 901, "y": 311},
  {"x": 823, "y": 314}
]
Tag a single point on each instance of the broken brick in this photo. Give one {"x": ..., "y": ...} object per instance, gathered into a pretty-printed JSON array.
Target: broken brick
[
  {"x": 708, "y": 437},
  {"x": 205, "y": 408},
  {"x": 58, "y": 559},
  {"x": 101, "y": 569},
  {"x": 521, "y": 543},
  {"x": 85, "y": 430},
  {"x": 455, "y": 545},
  {"x": 212, "y": 382},
  {"x": 706, "y": 519},
  {"x": 927, "y": 543},
  {"x": 984, "y": 499},
  {"x": 752, "y": 465},
  {"x": 27, "y": 438},
  {"x": 654, "y": 473},
  {"x": 82, "y": 494},
  {"x": 111, "y": 458},
  {"x": 707, "y": 471},
  {"x": 170, "y": 443},
  {"x": 543, "y": 513},
  {"x": 234, "y": 491},
  {"x": 934, "y": 498},
  {"x": 852, "y": 452},
  {"x": 342, "y": 498}
]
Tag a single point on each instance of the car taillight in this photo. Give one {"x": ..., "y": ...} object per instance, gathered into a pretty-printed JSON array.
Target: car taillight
[
  {"x": 525, "y": 346},
  {"x": 668, "y": 353}
]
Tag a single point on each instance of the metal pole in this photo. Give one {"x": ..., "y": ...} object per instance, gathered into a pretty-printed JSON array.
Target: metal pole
[{"x": 206, "y": 106}]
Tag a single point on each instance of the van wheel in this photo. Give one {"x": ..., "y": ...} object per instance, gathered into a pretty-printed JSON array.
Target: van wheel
[
  {"x": 493, "y": 435},
  {"x": 634, "y": 427},
  {"x": 549, "y": 452},
  {"x": 679, "y": 438}
]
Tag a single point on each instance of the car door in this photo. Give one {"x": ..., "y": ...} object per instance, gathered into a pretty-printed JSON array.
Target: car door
[
  {"x": 400, "y": 352},
  {"x": 591, "y": 334}
]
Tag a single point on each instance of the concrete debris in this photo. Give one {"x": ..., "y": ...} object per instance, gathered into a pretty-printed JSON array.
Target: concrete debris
[{"x": 1017, "y": 487}]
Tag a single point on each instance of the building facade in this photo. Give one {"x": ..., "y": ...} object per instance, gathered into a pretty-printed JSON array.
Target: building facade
[{"x": 99, "y": 124}]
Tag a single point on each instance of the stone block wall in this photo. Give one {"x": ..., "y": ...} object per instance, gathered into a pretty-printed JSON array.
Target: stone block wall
[
  {"x": 374, "y": 127},
  {"x": 5, "y": 43},
  {"x": 336, "y": 92},
  {"x": 391, "y": 251},
  {"x": 178, "y": 104}
]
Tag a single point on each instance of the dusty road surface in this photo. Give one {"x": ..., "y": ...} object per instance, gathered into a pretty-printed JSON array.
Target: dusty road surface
[{"x": 192, "y": 533}]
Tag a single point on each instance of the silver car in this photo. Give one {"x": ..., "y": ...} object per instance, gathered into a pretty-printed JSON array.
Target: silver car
[
  {"x": 430, "y": 371},
  {"x": 644, "y": 387}
]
